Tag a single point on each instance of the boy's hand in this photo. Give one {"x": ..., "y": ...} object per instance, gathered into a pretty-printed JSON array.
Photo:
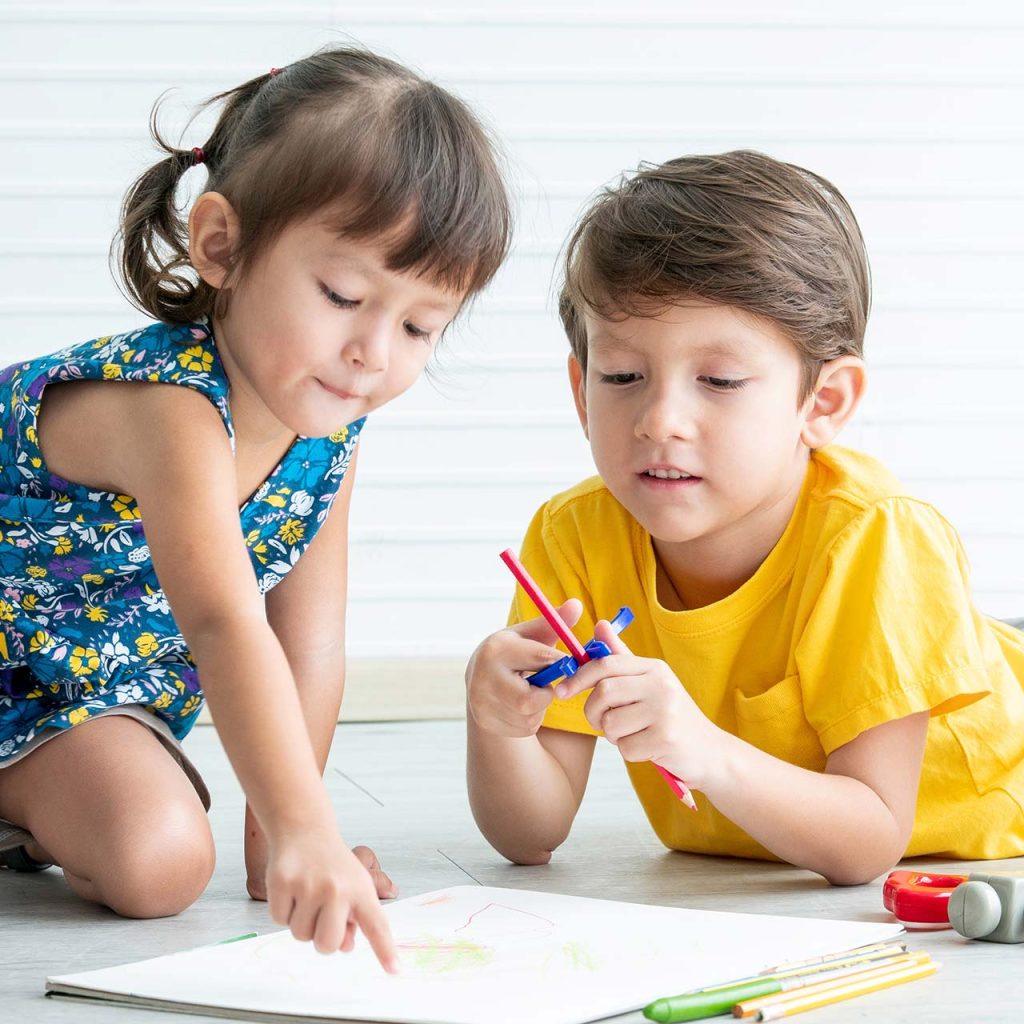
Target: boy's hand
[
  {"x": 641, "y": 706},
  {"x": 323, "y": 891},
  {"x": 500, "y": 699}
]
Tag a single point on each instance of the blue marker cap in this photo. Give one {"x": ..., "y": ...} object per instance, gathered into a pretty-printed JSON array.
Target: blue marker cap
[{"x": 596, "y": 649}]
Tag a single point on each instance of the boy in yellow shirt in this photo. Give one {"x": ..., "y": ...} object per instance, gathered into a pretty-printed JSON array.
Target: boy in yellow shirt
[{"x": 805, "y": 653}]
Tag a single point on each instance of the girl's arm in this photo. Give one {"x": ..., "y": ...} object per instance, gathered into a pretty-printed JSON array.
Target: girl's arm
[
  {"x": 306, "y": 611},
  {"x": 172, "y": 454}
]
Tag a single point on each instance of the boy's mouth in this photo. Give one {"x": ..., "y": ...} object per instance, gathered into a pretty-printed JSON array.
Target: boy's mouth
[{"x": 666, "y": 473}]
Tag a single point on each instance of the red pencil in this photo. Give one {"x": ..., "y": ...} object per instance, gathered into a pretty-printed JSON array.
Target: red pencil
[
  {"x": 576, "y": 649},
  {"x": 544, "y": 606}
]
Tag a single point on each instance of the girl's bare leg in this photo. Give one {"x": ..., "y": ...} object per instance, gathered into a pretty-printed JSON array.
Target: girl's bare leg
[{"x": 109, "y": 804}]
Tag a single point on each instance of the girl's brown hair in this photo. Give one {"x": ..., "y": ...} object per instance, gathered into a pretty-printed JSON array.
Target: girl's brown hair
[
  {"x": 739, "y": 229},
  {"x": 391, "y": 155}
]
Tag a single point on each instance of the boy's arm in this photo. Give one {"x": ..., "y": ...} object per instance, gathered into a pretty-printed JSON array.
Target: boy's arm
[
  {"x": 850, "y": 823},
  {"x": 525, "y": 790},
  {"x": 525, "y": 782}
]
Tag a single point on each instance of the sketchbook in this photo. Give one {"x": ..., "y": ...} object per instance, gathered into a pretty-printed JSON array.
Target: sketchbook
[{"x": 472, "y": 953}]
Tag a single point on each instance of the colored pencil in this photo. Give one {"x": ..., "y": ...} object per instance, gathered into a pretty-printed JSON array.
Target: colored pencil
[
  {"x": 788, "y": 1003},
  {"x": 857, "y": 951},
  {"x": 576, "y": 649},
  {"x": 755, "y": 991},
  {"x": 545, "y": 607},
  {"x": 749, "y": 1008}
]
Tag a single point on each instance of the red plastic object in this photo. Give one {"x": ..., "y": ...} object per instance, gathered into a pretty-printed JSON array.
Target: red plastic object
[{"x": 920, "y": 899}]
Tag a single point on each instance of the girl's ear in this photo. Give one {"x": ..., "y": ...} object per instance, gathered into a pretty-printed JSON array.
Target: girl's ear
[
  {"x": 578, "y": 382},
  {"x": 213, "y": 234},
  {"x": 836, "y": 395}
]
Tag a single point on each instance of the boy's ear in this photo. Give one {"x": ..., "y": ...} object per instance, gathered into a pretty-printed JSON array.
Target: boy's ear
[
  {"x": 837, "y": 393},
  {"x": 213, "y": 233},
  {"x": 578, "y": 381}
]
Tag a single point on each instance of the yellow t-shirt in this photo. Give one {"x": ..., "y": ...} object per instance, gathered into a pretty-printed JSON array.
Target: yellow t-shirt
[{"x": 860, "y": 614}]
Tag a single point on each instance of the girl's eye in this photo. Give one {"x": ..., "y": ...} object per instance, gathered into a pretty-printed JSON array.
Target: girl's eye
[
  {"x": 619, "y": 378},
  {"x": 337, "y": 300},
  {"x": 724, "y": 383},
  {"x": 416, "y": 332}
]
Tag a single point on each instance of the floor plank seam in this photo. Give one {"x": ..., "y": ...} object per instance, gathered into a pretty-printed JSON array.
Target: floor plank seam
[
  {"x": 351, "y": 781},
  {"x": 455, "y": 863}
]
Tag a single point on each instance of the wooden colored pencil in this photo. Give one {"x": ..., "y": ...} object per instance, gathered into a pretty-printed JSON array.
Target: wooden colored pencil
[
  {"x": 816, "y": 996},
  {"x": 794, "y": 965},
  {"x": 806, "y": 984}
]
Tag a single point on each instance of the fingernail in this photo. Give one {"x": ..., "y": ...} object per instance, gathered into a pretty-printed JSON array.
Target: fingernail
[{"x": 560, "y": 692}]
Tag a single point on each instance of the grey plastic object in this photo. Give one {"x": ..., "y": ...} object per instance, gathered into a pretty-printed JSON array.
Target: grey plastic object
[{"x": 989, "y": 907}]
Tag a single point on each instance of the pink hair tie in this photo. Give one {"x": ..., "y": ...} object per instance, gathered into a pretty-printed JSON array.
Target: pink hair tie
[
  {"x": 198, "y": 156},
  {"x": 274, "y": 71}
]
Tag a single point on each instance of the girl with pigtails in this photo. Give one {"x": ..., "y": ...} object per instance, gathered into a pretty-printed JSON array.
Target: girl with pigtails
[{"x": 174, "y": 501}]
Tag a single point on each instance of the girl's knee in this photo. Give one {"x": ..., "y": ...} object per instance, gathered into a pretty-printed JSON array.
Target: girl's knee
[{"x": 160, "y": 870}]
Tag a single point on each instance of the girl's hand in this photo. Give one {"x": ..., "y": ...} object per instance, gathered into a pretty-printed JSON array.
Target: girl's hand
[
  {"x": 499, "y": 698},
  {"x": 643, "y": 708},
  {"x": 386, "y": 889},
  {"x": 323, "y": 891}
]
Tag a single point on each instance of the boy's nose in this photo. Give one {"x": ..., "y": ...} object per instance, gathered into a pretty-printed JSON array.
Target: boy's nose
[{"x": 666, "y": 417}]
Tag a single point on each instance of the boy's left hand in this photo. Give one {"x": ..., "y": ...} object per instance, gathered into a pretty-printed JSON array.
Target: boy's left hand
[{"x": 642, "y": 707}]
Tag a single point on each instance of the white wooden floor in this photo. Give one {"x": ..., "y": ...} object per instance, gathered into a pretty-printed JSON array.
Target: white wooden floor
[{"x": 398, "y": 787}]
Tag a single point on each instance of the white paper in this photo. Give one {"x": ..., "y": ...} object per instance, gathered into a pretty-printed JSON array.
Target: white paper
[{"x": 470, "y": 954}]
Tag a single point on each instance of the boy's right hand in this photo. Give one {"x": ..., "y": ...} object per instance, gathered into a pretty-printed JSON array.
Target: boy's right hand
[
  {"x": 499, "y": 698},
  {"x": 319, "y": 888}
]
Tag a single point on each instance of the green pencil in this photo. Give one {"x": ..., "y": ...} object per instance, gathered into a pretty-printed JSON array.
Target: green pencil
[{"x": 720, "y": 999}]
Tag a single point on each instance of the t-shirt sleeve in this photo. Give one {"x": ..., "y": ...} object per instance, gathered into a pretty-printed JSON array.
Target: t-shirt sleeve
[
  {"x": 893, "y": 630},
  {"x": 549, "y": 560}
]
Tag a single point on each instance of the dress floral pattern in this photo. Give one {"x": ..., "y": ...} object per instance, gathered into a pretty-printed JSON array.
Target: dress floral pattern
[{"x": 84, "y": 625}]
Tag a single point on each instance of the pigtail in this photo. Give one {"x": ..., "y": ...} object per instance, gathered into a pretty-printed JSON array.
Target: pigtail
[
  {"x": 151, "y": 247},
  {"x": 381, "y": 153}
]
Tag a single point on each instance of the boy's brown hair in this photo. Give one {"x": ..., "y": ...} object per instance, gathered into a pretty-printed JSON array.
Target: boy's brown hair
[{"x": 739, "y": 229}]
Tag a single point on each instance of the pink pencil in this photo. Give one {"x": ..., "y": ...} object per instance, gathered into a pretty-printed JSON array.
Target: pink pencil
[
  {"x": 545, "y": 607},
  {"x": 576, "y": 649}
]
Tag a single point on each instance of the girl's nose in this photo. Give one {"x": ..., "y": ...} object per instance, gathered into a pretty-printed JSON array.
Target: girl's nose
[{"x": 369, "y": 346}]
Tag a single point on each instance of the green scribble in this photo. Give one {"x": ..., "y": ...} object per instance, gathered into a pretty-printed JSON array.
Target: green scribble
[
  {"x": 574, "y": 955},
  {"x": 579, "y": 957},
  {"x": 442, "y": 955}
]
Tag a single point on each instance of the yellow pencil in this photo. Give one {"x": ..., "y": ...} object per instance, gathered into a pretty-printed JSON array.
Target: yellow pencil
[
  {"x": 794, "y": 965},
  {"x": 881, "y": 952},
  {"x": 855, "y": 958},
  {"x": 809, "y": 1000},
  {"x": 808, "y": 984}
]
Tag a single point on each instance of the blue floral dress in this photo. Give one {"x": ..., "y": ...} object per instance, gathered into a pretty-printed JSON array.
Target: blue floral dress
[{"x": 84, "y": 625}]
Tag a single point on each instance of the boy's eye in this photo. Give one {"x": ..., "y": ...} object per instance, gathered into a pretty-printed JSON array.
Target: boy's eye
[
  {"x": 619, "y": 378},
  {"x": 724, "y": 383},
  {"x": 337, "y": 300}
]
